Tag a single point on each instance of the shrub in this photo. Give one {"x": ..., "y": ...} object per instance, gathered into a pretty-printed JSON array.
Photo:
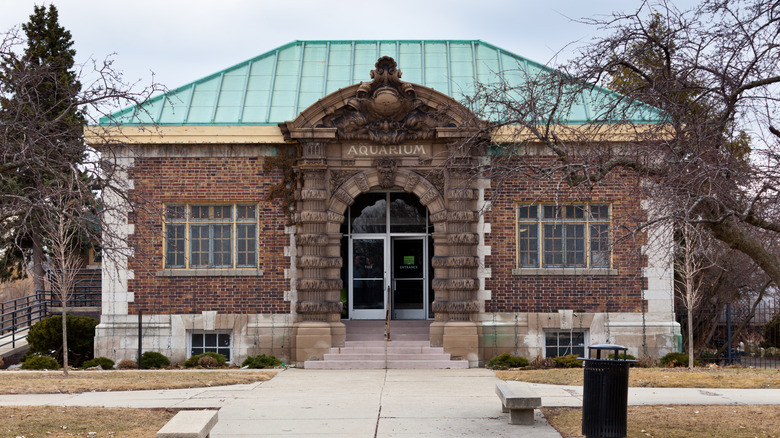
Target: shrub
[
  {"x": 647, "y": 362},
  {"x": 102, "y": 362},
  {"x": 628, "y": 357},
  {"x": 153, "y": 359},
  {"x": 672, "y": 360},
  {"x": 45, "y": 338},
  {"x": 568, "y": 361},
  {"x": 40, "y": 363},
  {"x": 772, "y": 333},
  {"x": 542, "y": 363},
  {"x": 2, "y": 364},
  {"x": 261, "y": 361},
  {"x": 193, "y": 360},
  {"x": 208, "y": 362},
  {"x": 506, "y": 361},
  {"x": 127, "y": 364}
]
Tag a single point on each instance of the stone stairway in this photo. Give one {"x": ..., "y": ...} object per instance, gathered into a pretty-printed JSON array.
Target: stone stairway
[{"x": 365, "y": 348}]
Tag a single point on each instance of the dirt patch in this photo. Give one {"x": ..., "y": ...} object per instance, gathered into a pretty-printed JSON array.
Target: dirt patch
[
  {"x": 68, "y": 422},
  {"x": 659, "y": 377},
  {"x": 681, "y": 421},
  {"x": 52, "y": 382}
]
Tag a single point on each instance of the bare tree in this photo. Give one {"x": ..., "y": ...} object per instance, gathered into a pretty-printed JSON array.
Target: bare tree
[
  {"x": 689, "y": 263},
  {"x": 694, "y": 120},
  {"x": 64, "y": 260},
  {"x": 46, "y": 166}
]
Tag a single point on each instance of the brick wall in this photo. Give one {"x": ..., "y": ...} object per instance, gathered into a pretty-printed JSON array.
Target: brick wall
[
  {"x": 621, "y": 292},
  {"x": 206, "y": 179}
]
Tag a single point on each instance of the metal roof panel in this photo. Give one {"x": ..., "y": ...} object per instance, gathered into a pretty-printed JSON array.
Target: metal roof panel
[{"x": 277, "y": 85}]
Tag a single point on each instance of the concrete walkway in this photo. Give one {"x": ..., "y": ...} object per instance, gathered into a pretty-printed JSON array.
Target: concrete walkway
[
  {"x": 377, "y": 403},
  {"x": 344, "y": 403}
]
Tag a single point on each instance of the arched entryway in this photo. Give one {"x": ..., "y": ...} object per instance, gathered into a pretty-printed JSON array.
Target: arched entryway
[{"x": 386, "y": 250}]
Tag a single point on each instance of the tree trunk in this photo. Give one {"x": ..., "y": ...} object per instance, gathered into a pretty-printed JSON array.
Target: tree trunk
[
  {"x": 740, "y": 239},
  {"x": 38, "y": 272},
  {"x": 64, "y": 339},
  {"x": 690, "y": 335}
]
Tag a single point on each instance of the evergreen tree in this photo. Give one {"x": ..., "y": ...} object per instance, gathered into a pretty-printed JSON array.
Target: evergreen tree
[{"x": 42, "y": 142}]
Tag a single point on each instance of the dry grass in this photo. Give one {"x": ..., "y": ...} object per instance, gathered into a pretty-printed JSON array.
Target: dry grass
[
  {"x": 62, "y": 422},
  {"x": 47, "y": 382},
  {"x": 659, "y": 377},
  {"x": 681, "y": 421}
]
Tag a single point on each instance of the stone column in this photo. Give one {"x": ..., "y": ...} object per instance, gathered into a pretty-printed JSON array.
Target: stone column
[
  {"x": 456, "y": 289},
  {"x": 319, "y": 262}
]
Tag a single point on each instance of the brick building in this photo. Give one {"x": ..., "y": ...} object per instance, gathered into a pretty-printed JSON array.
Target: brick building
[{"x": 372, "y": 217}]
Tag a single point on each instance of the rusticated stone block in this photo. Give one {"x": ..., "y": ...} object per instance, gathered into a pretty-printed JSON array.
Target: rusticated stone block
[
  {"x": 313, "y": 194},
  {"x": 344, "y": 197},
  {"x": 309, "y": 307},
  {"x": 457, "y": 194},
  {"x": 319, "y": 284},
  {"x": 311, "y": 239},
  {"x": 314, "y": 217},
  {"x": 455, "y": 262},
  {"x": 463, "y": 238},
  {"x": 441, "y": 284},
  {"x": 462, "y": 307},
  {"x": 362, "y": 182},
  {"x": 334, "y": 217},
  {"x": 463, "y": 216},
  {"x": 429, "y": 196},
  {"x": 411, "y": 182},
  {"x": 439, "y": 216},
  {"x": 319, "y": 262}
]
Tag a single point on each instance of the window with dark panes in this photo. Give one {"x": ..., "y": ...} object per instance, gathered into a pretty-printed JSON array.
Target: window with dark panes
[
  {"x": 214, "y": 342},
  {"x": 572, "y": 236},
  {"x": 562, "y": 343}
]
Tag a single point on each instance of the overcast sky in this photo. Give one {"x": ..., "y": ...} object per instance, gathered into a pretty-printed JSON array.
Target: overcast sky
[{"x": 185, "y": 40}]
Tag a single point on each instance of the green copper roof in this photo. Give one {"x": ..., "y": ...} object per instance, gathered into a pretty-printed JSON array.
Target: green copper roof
[{"x": 276, "y": 86}]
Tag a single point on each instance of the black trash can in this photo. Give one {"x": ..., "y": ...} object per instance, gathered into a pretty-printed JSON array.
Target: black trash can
[{"x": 605, "y": 392}]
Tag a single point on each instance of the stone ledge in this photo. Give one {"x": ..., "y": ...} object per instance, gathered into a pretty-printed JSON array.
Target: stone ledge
[
  {"x": 564, "y": 271},
  {"x": 210, "y": 273},
  {"x": 189, "y": 424}
]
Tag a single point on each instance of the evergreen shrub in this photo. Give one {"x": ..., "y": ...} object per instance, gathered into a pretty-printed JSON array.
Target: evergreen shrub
[
  {"x": 261, "y": 361},
  {"x": 45, "y": 338},
  {"x": 193, "y": 360},
  {"x": 40, "y": 363},
  {"x": 568, "y": 361},
  {"x": 505, "y": 361},
  {"x": 153, "y": 359},
  {"x": 103, "y": 362}
]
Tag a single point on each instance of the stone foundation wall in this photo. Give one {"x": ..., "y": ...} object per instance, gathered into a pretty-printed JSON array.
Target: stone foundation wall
[
  {"x": 523, "y": 334},
  {"x": 116, "y": 337}
]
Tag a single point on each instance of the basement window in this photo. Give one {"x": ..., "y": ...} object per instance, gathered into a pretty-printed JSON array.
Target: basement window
[
  {"x": 562, "y": 343},
  {"x": 204, "y": 342}
]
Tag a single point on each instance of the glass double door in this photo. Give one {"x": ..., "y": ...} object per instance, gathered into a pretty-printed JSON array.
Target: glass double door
[{"x": 388, "y": 274}]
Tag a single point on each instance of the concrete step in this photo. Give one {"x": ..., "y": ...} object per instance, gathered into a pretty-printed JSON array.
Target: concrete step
[
  {"x": 388, "y": 356},
  {"x": 383, "y": 344},
  {"x": 382, "y": 355},
  {"x": 381, "y": 364},
  {"x": 380, "y": 350}
]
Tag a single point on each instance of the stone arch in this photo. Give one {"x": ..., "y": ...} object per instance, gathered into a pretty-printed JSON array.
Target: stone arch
[{"x": 362, "y": 182}]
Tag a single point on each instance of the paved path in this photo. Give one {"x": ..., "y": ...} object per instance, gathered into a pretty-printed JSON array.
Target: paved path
[
  {"x": 344, "y": 403},
  {"x": 377, "y": 403}
]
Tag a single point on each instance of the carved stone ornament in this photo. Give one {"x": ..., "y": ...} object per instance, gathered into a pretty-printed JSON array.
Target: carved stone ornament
[
  {"x": 385, "y": 167},
  {"x": 385, "y": 110}
]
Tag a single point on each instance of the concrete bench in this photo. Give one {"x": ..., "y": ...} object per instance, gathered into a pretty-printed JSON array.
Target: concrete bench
[
  {"x": 519, "y": 402},
  {"x": 189, "y": 424}
]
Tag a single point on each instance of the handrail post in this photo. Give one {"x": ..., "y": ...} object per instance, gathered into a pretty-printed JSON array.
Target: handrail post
[{"x": 387, "y": 315}]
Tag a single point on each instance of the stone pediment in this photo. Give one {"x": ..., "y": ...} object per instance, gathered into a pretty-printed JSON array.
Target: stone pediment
[{"x": 384, "y": 111}]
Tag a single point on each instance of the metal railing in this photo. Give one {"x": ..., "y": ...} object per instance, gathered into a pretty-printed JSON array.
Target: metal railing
[{"x": 18, "y": 315}]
